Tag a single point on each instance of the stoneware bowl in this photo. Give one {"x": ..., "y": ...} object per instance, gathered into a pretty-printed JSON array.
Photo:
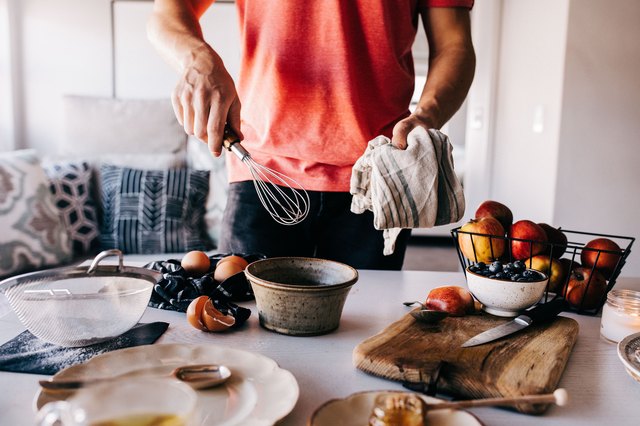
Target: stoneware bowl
[
  {"x": 300, "y": 296},
  {"x": 505, "y": 298}
]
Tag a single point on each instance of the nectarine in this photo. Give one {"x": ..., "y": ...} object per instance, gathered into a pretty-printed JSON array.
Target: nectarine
[
  {"x": 482, "y": 248},
  {"x": 455, "y": 300},
  {"x": 523, "y": 232},
  {"x": 593, "y": 254},
  {"x": 585, "y": 289},
  {"x": 497, "y": 210}
]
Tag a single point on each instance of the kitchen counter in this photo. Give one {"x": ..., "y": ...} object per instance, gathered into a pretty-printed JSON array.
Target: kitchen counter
[{"x": 600, "y": 390}]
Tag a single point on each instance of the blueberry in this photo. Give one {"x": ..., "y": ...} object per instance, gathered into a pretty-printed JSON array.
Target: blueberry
[
  {"x": 515, "y": 277},
  {"x": 500, "y": 276},
  {"x": 481, "y": 266},
  {"x": 495, "y": 267},
  {"x": 519, "y": 265}
]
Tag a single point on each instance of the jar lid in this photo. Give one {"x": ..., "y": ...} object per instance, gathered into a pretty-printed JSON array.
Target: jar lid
[{"x": 625, "y": 298}]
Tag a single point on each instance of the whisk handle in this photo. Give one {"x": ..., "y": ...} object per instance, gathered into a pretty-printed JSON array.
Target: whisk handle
[{"x": 231, "y": 142}]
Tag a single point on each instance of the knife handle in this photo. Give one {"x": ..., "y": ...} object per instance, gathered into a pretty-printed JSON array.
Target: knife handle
[{"x": 546, "y": 311}]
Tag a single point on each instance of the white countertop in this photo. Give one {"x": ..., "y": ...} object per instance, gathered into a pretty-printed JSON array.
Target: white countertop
[{"x": 600, "y": 390}]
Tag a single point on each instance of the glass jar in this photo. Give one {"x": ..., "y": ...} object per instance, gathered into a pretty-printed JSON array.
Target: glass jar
[
  {"x": 620, "y": 314},
  {"x": 397, "y": 409}
]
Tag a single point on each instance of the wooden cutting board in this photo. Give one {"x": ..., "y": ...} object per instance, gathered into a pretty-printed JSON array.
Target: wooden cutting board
[{"x": 418, "y": 354}]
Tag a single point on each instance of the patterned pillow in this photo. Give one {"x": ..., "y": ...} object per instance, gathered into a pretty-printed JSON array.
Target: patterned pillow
[
  {"x": 71, "y": 188},
  {"x": 153, "y": 211},
  {"x": 32, "y": 234}
]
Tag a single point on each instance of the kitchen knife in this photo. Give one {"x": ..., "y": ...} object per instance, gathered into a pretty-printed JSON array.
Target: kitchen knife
[{"x": 539, "y": 314}]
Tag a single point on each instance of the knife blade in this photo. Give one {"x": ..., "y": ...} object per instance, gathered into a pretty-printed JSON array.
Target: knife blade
[{"x": 538, "y": 315}]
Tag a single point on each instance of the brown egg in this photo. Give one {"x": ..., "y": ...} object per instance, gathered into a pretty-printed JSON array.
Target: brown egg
[
  {"x": 196, "y": 263},
  {"x": 226, "y": 269},
  {"x": 215, "y": 320},
  {"x": 194, "y": 312},
  {"x": 202, "y": 315},
  {"x": 240, "y": 261}
]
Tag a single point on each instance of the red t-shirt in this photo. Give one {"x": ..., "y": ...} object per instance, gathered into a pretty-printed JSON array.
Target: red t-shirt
[{"x": 319, "y": 79}]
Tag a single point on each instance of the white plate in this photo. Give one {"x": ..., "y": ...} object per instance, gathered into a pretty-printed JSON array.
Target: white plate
[
  {"x": 629, "y": 354},
  {"x": 355, "y": 410},
  {"x": 258, "y": 392}
]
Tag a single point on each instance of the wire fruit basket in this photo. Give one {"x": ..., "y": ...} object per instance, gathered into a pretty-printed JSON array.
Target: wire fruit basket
[{"x": 563, "y": 257}]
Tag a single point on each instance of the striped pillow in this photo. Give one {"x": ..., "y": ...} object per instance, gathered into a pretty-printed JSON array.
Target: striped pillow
[{"x": 153, "y": 211}]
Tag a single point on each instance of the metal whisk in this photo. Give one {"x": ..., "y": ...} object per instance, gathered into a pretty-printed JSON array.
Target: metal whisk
[{"x": 276, "y": 191}]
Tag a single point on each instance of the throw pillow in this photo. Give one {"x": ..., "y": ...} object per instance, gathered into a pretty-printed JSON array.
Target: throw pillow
[
  {"x": 70, "y": 184},
  {"x": 32, "y": 234},
  {"x": 122, "y": 132},
  {"x": 153, "y": 211},
  {"x": 200, "y": 158}
]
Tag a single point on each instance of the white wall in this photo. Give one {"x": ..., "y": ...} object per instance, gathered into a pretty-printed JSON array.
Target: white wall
[
  {"x": 598, "y": 181},
  {"x": 141, "y": 72},
  {"x": 10, "y": 82},
  {"x": 577, "y": 165},
  {"x": 530, "y": 76},
  {"x": 65, "y": 48}
]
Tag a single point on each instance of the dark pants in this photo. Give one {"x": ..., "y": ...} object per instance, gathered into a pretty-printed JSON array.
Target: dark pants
[{"x": 330, "y": 231}]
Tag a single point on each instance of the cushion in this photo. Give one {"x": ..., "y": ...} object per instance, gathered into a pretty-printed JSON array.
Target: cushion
[
  {"x": 70, "y": 183},
  {"x": 137, "y": 133},
  {"x": 153, "y": 211},
  {"x": 199, "y": 157},
  {"x": 32, "y": 233}
]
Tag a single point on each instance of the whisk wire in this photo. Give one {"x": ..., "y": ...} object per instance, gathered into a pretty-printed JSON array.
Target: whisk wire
[
  {"x": 286, "y": 201},
  {"x": 277, "y": 193}
]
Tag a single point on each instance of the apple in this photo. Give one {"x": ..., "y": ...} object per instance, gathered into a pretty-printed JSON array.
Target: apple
[
  {"x": 482, "y": 248},
  {"x": 526, "y": 230},
  {"x": 554, "y": 268},
  {"x": 557, "y": 238},
  {"x": 455, "y": 300},
  {"x": 570, "y": 264},
  {"x": 606, "y": 262},
  {"x": 588, "y": 284},
  {"x": 497, "y": 210}
]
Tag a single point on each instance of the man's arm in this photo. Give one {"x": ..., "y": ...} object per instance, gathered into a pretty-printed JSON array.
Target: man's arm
[
  {"x": 205, "y": 97},
  {"x": 451, "y": 68}
]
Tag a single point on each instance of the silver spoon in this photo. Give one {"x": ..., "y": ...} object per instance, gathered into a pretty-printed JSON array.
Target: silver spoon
[
  {"x": 199, "y": 376},
  {"x": 424, "y": 314}
]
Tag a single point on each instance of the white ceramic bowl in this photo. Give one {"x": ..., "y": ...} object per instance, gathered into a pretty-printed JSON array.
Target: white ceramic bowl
[
  {"x": 505, "y": 298},
  {"x": 300, "y": 296}
]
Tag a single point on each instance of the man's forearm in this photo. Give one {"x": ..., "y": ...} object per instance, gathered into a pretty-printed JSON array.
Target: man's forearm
[
  {"x": 174, "y": 30},
  {"x": 451, "y": 66}
]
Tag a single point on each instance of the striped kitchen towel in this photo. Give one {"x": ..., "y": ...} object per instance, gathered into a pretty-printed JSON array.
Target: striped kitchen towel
[{"x": 412, "y": 188}]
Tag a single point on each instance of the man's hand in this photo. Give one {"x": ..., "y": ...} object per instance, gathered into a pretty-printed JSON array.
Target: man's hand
[
  {"x": 403, "y": 127},
  {"x": 205, "y": 98}
]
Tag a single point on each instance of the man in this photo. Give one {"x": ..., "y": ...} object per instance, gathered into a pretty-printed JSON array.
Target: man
[{"x": 318, "y": 80}]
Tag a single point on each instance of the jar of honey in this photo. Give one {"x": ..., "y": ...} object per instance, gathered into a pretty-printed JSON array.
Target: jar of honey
[
  {"x": 397, "y": 409},
  {"x": 620, "y": 314}
]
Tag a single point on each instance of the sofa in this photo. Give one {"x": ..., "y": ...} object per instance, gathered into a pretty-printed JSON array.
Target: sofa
[{"x": 125, "y": 175}]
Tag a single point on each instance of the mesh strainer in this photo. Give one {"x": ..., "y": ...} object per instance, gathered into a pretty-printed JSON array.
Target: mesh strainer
[{"x": 80, "y": 306}]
